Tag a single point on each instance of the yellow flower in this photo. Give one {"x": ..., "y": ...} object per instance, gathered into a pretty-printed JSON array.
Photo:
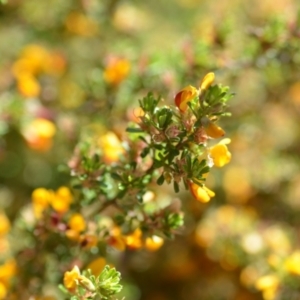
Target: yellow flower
[
  {"x": 37, "y": 56},
  {"x": 28, "y": 86},
  {"x": 77, "y": 223},
  {"x": 184, "y": 96},
  {"x": 213, "y": 130},
  {"x": 111, "y": 147},
  {"x": 268, "y": 284},
  {"x": 220, "y": 154},
  {"x": 71, "y": 279},
  {"x": 41, "y": 199},
  {"x": 76, "y": 226},
  {"x": 207, "y": 81},
  {"x": 134, "y": 240},
  {"x": 116, "y": 71},
  {"x": 4, "y": 224},
  {"x": 96, "y": 266},
  {"x": 39, "y": 134},
  {"x": 153, "y": 243},
  {"x": 7, "y": 271},
  {"x": 3, "y": 291},
  {"x": 201, "y": 193},
  {"x": 292, "y": 263},
  {"x": 62, "y": 200}
]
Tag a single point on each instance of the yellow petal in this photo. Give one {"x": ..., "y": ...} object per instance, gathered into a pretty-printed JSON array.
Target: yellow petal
[
  {"x": 97, "y": 265},
  {"x": 207, "y": 81},
  {"x": 220, "y": 155},
  {"x": 202, "y": 194},
  {"x": 214, "y": 131},
  {"x": 77, "y": 223}
]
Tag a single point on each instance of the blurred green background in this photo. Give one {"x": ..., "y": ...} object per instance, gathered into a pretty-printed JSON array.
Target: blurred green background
[{"x": 92, "y": 60}]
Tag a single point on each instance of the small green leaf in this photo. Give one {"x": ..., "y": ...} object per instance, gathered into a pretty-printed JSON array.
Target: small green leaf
[
  {"x": 161, "y": 179},
  {"x": 176, "y": 187},
  {"x": 134, "y": 130}
]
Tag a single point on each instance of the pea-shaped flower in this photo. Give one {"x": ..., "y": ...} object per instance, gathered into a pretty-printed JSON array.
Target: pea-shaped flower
[{"x": 184, "y": 96}]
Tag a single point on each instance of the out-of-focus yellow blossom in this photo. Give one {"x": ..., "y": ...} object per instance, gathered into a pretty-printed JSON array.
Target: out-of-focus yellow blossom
[
  {"x": 201, "y": 193},
  {"x": 117, "y": 69},
  {"x": 28, "y": 86},
  {"x": 207, "y": 81},
  {"x": 277, "y": 239},
  {"x": 220, "y": 154},
  {"x": 7, "y": 272},
  {"x": 153, "y": 243},
  {"x": 186, "y": 95},
  {"x": 292, "y": 263},
  {"x": 3, "y": 291},
  {"x": 97, "y": 265},
  {"x": 80, "y": 24},
  {"x": 268, "y": 285},
  {"x": 41, "y": 199},
  {"x": 38, "y": 57},
  {"x": 77, "y": 223},
  {"x": 71, "y": 279},
  {"x": 249, "y": 276},
  {"x": 39, "y": 134},
  {"x": 62, "y": 200},
  {"x": 76, "y": 226},
  {"x": 4, "y": 224},
  {"x": 111, "y": 147},
  {"x": 33, "y": 61},
  {"x": 134, "y": 240}
]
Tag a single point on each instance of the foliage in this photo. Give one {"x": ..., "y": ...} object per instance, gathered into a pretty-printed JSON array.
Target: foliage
[{"x": 112, "y": 133}]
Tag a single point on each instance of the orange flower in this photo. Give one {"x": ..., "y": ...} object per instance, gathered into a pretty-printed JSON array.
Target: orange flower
[
  {"x": 184, "y": 96},
  {"x": 116, "y": 71},
  {"x": 201, "y": 193}
]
